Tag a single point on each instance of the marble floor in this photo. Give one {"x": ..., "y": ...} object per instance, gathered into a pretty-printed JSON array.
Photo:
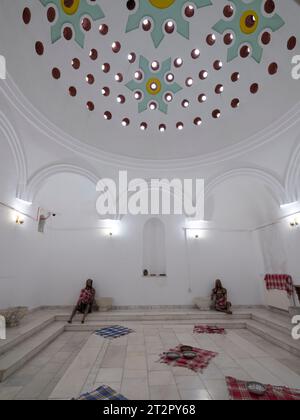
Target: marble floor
[
  {"x": 37, "y": 379},
  {"x": 129, "y": 365}
]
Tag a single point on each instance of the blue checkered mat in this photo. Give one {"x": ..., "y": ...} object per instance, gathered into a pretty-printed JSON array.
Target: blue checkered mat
[
  {"x": 101, "y": 394},
  {"x": 113, "y": 332}
]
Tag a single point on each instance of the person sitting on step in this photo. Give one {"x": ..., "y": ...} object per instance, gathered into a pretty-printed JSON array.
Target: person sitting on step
[
  {"x": 219, "y": 299},
  {"x": 85, "y": 301}
]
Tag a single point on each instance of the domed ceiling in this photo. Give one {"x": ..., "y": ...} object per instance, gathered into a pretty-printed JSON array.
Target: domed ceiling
[{"x": 154, "y": 79}]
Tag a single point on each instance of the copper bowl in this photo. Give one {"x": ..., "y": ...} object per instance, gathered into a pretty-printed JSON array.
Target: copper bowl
[
  {"x": 186, "y": 348},
  {"x": 172, "y": 355},
  {"x": 256, "y": 388},
  {"x": 189, "y": 355}
]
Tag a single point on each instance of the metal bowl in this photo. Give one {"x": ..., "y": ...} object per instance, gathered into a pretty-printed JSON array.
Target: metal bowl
[
  {"x": 186, "y": 348},
  {"x": 189, "y": 355},
  {"x": 172, "y": 355},
  {"x": 256, "y": 388}
]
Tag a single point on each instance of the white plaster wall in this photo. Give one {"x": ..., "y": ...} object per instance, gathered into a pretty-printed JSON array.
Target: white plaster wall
[
  {"x": 54, "y": 266},
  {"x": 49, "y": 269}
]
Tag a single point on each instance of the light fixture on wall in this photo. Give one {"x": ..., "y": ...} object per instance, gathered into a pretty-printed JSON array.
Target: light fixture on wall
[
  {"x": 196, "y": 234},
  {"x": 19, "y": 220},
  {"x": 295, "y": 221},
  {"x": 110, "y": 227}
]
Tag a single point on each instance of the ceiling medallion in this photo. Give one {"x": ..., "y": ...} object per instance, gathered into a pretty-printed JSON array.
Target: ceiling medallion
[
  {"x": 154, "y": 85},
  {"x": 71, "y": 13},
  {"x": 249, "y": 21}
]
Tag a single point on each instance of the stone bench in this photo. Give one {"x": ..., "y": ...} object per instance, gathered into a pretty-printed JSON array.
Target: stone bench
[
  {"x": 104, "y": 304},
  {"x": 203, "y": 304},
  {"x": 13, "y": 316}
]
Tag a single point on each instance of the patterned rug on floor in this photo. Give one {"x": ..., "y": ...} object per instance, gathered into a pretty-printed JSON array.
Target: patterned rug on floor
[
  {"x": 101, "y": 394},
  {"x": 198, "y": 364},
  {"x": 114, "y": 332},
  {"x": 206, "y": 329},
  {"x": 238, "y": 391}
]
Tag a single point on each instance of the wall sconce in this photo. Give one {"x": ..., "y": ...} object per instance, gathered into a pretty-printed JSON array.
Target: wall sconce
[
  {"x": 19, "y": 220},
  {"x": 196, "y": 234},
  {"x": 295, "y": 221}
]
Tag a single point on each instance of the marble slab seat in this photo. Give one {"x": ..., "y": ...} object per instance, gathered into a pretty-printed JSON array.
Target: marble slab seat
[
  {"x": 13, "y": 316},
  {"x": 18, "y": 356},
  {"x": 41, "y": 327}
]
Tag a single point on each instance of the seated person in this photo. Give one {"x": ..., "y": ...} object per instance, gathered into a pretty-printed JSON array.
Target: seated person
[
  {"x": 219, "y": 299},
  {"x": 85, "y": 302}
]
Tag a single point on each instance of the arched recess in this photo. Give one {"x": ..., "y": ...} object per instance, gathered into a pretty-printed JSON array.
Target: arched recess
[
  {"x": 269, "y": 180},
  {"x": 18, "y": 153},
  {"x": 292, "y": 181},
  {"x": 154, "y": 247},
  {"x": 40, "y": 177}
]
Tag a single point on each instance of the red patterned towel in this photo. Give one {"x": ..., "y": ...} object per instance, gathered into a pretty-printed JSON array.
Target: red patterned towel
[
  {"x": 198, "y": 364},
  {"x": 238, "y": 391},
  {"x": 206, "y": 329},
  {"x": 279, "y": 282}
]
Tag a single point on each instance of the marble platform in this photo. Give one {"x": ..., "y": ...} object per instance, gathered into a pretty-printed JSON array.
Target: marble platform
[{"x": 43, "y": 327}]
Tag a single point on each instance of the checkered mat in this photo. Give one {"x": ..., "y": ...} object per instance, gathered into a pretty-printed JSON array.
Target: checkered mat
[
  {"x": 113, "y": 332},
  {"x": 238, "y": 391},
  {"x": 102, "y": 393},
  {"x": 206, "y": 329},
  {"x": 198, "y": 364}
]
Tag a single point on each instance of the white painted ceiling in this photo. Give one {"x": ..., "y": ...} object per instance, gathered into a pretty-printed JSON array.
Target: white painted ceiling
[{"x": 32, "y": 73}]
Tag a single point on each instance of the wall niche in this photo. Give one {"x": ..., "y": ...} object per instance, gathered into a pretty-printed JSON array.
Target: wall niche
[{"x": 154, "y": 249}]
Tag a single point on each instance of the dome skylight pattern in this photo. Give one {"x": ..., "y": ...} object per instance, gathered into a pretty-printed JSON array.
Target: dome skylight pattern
[
  {"x": 153, "y": 88},
  {"x": 248, "y": 23},
  {"x": 110, "y": 63},
  {"x": 161, "y": 12}
]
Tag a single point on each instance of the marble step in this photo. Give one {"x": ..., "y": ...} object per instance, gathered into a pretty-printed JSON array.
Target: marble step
[
  {"x": 18, "y": 356},
  {"x": 74, "y": 379},
  {"x": 195, "y": 316},
  {"x": 281, "y": 324},
  {"x": 94, "y": 325},
  {"x": 276, "y": 337},
  {"x": 17, "y": 335}
]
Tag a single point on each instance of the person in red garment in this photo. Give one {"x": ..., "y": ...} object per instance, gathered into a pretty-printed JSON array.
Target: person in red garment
[
  {"x": 219, "y": 299},
  {"x": 85, "y": 301}
]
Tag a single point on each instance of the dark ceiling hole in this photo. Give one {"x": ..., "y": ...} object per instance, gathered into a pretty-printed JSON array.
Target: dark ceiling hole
[
  {"x": 254, "y": 88},
  {"x": 131, "y": 4},
  {"x": 73, "y": 91},
  {"x": 245, "y": 51},
  {"x": 68, "y": 3},
  {"x": 76, "y": 63},
  {"x": 250, "y": 21},
  {"x": 266, "y": 38},
  {"x": 26, "y": 15},
  {"x": 292, "y": 42},
  {"x": 56, "y": 73},
  {"x": 235, "y": 77},
  {"x": 273, "y": 68},
  {"x": 228, "y": 11},
  {"x": 269, "y": 6},
  {"x": 39, "y": 48},
  {"x": 51, "y": 14},
  {"x": 68, "y": 33}
]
